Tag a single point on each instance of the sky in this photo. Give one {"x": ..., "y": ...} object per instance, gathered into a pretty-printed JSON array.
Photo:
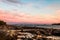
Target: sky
[{"x": 30, "y": 11}]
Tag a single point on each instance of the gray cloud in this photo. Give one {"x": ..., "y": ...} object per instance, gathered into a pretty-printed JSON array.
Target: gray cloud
[{"x": 13, "y": 1}]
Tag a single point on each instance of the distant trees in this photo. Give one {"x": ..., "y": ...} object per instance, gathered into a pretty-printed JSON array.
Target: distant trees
[
  {"x": 2, "y": 23},
  {"x": 56, "y": 24}
]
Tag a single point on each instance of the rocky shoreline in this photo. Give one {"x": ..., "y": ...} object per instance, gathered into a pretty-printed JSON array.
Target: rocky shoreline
[{"x": 36, "y": 32}]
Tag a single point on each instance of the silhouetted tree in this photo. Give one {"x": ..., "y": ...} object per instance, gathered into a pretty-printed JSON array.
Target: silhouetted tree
[
  {"x": 2, "y": 23},
  {"x": 56, "y": 24}
]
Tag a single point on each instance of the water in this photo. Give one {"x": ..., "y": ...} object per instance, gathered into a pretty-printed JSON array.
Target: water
[{"x": 51, "y": 26}]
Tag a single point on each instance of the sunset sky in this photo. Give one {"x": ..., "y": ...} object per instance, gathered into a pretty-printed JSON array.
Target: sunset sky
[{"x": 30, "y": 11}]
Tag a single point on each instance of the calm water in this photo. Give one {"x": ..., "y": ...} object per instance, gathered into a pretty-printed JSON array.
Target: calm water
[{"x": 51, "y": 26}]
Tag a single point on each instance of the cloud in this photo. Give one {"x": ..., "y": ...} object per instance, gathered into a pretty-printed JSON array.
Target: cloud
[
  {"x": 57, "y": 11},
  {"x": 20, "y": 3},
  {"x": 9, "y": 16},
  {"x": 13, "y": 16},
  {"x": 55, "y": 6},
  {"x": 12, "y": 1}
]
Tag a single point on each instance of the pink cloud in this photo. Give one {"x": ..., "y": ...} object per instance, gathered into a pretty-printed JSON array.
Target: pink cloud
[
  {"x": 10, "y": 16},
  {"x": 57, "y": 11}
]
